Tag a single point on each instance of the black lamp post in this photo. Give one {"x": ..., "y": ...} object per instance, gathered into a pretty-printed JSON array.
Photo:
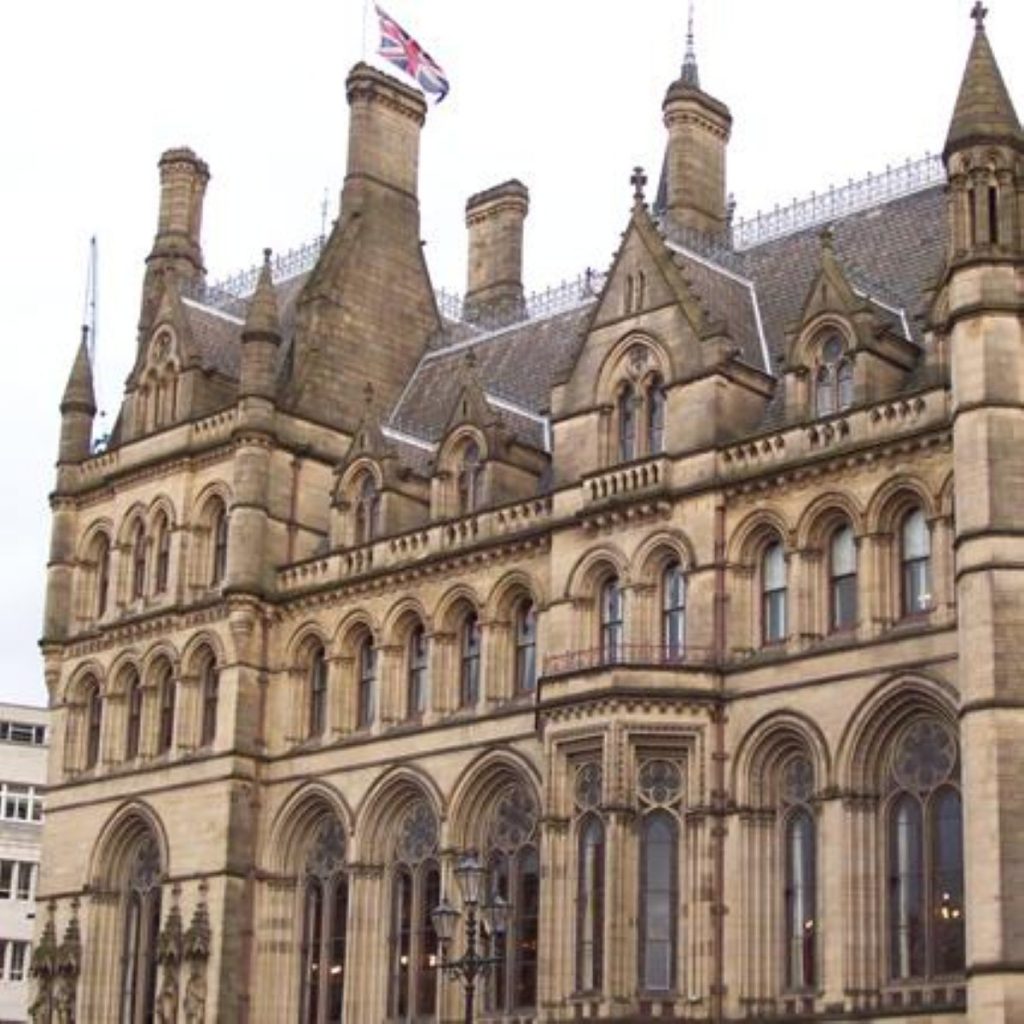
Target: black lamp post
[{"x": 468, "y": 967}]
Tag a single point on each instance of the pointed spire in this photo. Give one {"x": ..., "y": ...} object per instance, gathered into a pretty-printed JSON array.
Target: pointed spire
[
  {"x": 262, "y": 319},
  {"x": 79, "y": 395},
  {"x": 690, "y": 75},
  {"x": 984, "y": 111}
]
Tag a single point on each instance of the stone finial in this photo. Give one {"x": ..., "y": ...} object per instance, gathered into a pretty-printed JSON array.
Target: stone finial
[
  {"x": 261, "y": 319},
  {"x": 79, "y": 395},
  {"x": 979, "y": 12},
  {"x": 690, "y": 75},
  {"x": 638, "y": 180}
]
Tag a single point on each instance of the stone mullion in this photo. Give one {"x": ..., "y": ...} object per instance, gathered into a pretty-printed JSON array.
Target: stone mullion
[
  {"x": 645, "y": 626},
  {"x": 187, "y": 713},
  {"x": 279, "y": 926},
  {"x": 368, "y": 937},
  {"x": 1006, "y": 204},
  {"x": 101, "y": 968},
  {"x": 738, "y": 875},
  {"x": 699, "y": 902},
  {"x": 943, "y": 583},
  {"x": 390, "y": 704},
  {"x": 498, "y": 662},
  {"x": 809, "y": 621},
  {"x": 863, "y": 929},
  {"x": 619, "y": 958},
  {"x": 444, "y": 675},
  {"x": 556, "y": 974},
  {"x": 121, "y": 565},
  {"x": 832, "y": 947},
  {"x": 878, "y": 588},
  {"x": 343, "y": 684},
  {"x": 743, "y": 625},
  {"x": 149, "y": 720},
  {"x": 112, "y": 737}
]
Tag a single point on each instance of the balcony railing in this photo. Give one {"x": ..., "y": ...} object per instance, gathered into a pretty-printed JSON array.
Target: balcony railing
[{"x": 657, "y": 655}]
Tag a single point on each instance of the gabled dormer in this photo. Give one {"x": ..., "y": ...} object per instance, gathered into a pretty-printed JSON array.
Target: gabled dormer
[
  {"x": 669, "y": 328},
  {"x": 480, "y": 462},
  {"x": 374, "y": 494},
  {"x": 848, "y": 347}
]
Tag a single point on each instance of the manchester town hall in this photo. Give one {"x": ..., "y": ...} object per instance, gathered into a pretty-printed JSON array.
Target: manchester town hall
[{"x": 665, "y": 631}]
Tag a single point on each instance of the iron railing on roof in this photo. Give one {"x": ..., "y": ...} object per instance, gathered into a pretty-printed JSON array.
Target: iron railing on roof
[{"x": 894, "y": 182}]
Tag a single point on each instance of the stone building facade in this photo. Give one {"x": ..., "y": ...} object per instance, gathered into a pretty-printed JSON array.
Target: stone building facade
[{"x": 692, "y": 604}]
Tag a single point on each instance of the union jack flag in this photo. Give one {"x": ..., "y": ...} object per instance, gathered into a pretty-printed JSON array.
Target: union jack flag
[{"x": 397, "y": 46}]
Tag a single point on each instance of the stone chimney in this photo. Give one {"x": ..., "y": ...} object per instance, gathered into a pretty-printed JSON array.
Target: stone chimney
[
  {"x": 183, "y": 180},
  {"x": 385, "y": 120},
  {"x": 698, "y": 134},
  {"x": 494, "y": 279}
]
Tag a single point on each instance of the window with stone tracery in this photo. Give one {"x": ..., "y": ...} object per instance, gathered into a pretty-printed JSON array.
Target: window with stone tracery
[
  {"x": 93, "y": 721},
  {"x": 324, "y": 926},
  {"x": 513, "y": 866},
  {"x": 799, "y": 858},
  {"x": 660, "y": 793},
  {"x": 639, "y": 407},
  {"x": 415, "y": 892},
  {"x": 925, "y": 899},
  {"x": 141, "y": 933},
  {"x": 590, "y": 878},
  {"x": 833, "y": 381}
]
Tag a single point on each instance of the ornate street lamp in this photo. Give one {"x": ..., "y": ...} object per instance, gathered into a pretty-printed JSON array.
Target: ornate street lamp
[{"x": 470, "y": 877}]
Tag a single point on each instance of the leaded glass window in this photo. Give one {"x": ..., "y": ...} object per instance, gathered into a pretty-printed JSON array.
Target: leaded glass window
[
  {"x": 133, "y": 701},
  {"x": 915, "y": 558},
  {"x": 469, "y": 661},
  {"x": 799, "y": 856},
  {"x": 526, "y": 647},
  {"x": 673, "y": 612},
  {"x": 843, "y": 580},
  {"x": 773, "y": 594},
  {"x": 612, "y": 621},
  {"x": 367, "y": 689},
  {"x": 418, "y": 662},
  {"x": 141, "y": 932},
  {"x": 317, "y": 699}
]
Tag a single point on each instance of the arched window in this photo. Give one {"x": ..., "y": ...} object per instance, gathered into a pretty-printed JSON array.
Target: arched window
[
  {"x": 925, "y": 851},
  {"x": 93, "y": 722},
  {"x": 655, "y": 417},
  {"x": 673, "y": 612},
  {"x": 626, "y": 410},
  {"x": 133, "y": 700},
  {"x": 513, "y": 873},
  {"x": 590, "y": 905},
  {"x": 138, "y": 561},
  {"x": 416, "y": 891},
  {"x": 660, "y": 793},
  {"x": 141, "y": 934},
  {"x": 367, "y": 689},
  {"x": 916, "y": 564},
  {"x": 167, "y": 697},
  {"x": 842, "y": 568},
  {"x": 468, "y": 474},
  {"x": 102, "y": 562},
  {"x": 833, "y": 382},
  {"x": 773, "y": 594},
  {"x": 219, "y": 535},
  {"x": 209, "y": 693},
  {"x": 612, "y": 621},
  {"x": 163, "y": 554},
  {"x": 324, "y": 927},
  {"x": 367, "y": 510},
  {"x": 526, "y": 646},
  {"x": 317, "y": 705},
  {"x": 417, "y": 660},
  {"x": 469, "y": 661},
  {"x": 799, "y": 858}
]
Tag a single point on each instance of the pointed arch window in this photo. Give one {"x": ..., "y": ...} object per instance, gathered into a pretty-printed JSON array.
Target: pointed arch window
[
  {"x": 138, "y": 561},
  {"x": 415, "y": 892},
  {"x": 102, "y": 574},
  {"x": 141, "y": 934},
  {"x": 925, "y": 850},
  {"x": 612, "y": 621},
  {"x": 833, "y": 382},
  {"x": 658, "y": 841},
  {"x": 842, "y": 566},
  {"x": 219, "y": 534},
  {"x": 526, "y": 646},
  {"x": 799, "y": 859},
  {"x": 590, "y": 905},
  {"x": 317, "y": 673},
  {"x": 324, "y": 927},
  {"x": 626, "y": 411},
  {"x": 513, "y": 873},
  {"x": 93, "y": 722},
  {"x": 367, "y": 510},
  {"x": 163, "y": 555},
  {"x": 133, "y": 700},
  {"x": 915, "y": 564},
  {"x": 367, "y": 688},
  {"x": 469, "y": 475},
  {"x": 673, "y": 612},
  {"x": 655, "y": 416},
  {"x": 209, "y": 696},
  {"x": 418, "y": 663},
  {"x": 469, "y": 660},
  {"x": 167, "y": 698},
  {"x": 773, "y": 593}
]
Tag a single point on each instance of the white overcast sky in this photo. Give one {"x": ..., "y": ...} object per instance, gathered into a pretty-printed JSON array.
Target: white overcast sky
[{"x": 563, "y": 94}]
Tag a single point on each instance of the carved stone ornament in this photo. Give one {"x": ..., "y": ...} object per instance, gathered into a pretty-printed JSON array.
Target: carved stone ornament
[
  {"x": 797, "y": 780},
  {"x": 661, "y": 782},
  {"x": 417, "y": 835},
  {"x": 145, "y": 867},
  {"x": 925, "y": 756},
  {"x": 589, "y": 783},
  {"x": 327, "y": 854},
  {"x": 515, "y": 818}
]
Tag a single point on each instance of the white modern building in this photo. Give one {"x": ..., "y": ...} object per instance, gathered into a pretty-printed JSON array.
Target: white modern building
[{"x": 24, "y": 736}]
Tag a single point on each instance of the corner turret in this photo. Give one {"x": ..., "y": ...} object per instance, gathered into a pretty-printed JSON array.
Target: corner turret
[
  {"x": 77, "y": 407},
  {"x": 261, "y": 337}
]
